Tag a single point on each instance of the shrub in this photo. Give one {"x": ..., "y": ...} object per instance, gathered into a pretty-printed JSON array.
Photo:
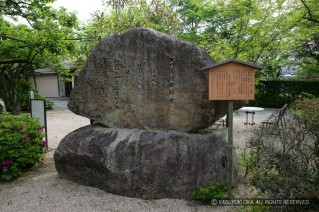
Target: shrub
[
  {"x": 307, "y": 111},
  {"x": 283, "y": 164},
  {"x": 21, "y": 145},
  {"x": 48, "y": 103},
  {"x": 212, "y": 191},
  {"x": 248, "y": 160}
]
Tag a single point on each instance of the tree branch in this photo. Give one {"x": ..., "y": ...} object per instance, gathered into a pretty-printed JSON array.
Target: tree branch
[
  {"x": 238, "y": 38},
  {"x": 310, "y": 18},
  {"x": 4, "y": 36},
  {"x": 265, "y": 45},
  {"x": 14, "y": 61}
]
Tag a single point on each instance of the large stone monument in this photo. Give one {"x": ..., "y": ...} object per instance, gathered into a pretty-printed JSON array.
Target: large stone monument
[
  {"x": 149, "y": 95},
  {"x": 147, "y": 80}
]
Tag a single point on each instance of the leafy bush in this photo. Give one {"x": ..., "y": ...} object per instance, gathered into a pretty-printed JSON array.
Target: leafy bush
[
  {"x": 48, "y": 103},
  {"x": 212, "y": 191},
  {"x": 307, "y": 111},
  {"x": 248, "y": 160},
  {"x": 21, "y": 145},
  {"x": 283, "y": 165}
]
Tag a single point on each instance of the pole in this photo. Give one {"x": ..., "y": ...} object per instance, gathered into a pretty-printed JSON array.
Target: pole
[{"x": 230, "y": 149}]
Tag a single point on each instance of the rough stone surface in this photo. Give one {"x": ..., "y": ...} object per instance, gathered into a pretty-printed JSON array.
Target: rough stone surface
[
  {"x": 147, "y": 80},
  {"x": 141, "y": 163}
]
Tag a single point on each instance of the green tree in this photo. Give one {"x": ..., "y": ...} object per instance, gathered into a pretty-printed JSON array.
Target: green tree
[
  {"x": 155, "y": 14},
  {"x": 118, "y": 6},
  {"x": 195, "y": 16},
  {"x": 28, "y": 9},
  {"x": 46, "y": 42},
  {"x": 303, "y": 45},
  {"x": 270, "y": 33},
  {"x": 238, "y": 29}
]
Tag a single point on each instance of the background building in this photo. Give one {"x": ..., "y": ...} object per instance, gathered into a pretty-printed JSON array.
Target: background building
[{"x": 48, "y": 84}]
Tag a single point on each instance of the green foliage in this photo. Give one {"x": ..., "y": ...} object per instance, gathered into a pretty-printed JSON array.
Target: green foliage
[
  {"x": 244, "y": 31},
  {"x": 276, "y": 93},
  {"x": 23, "y": 7},
  {"x": 49, "y": 104},
  {"x": 47, "y": 41},
  {"x": 303, "y": 43},
  {"x": 308, "y": 67},
  {"x": 212, "y": 191},
  {"x": 285, "y": 162},
  {"x": 23, "y": 95},
  {"x": 307, "y": 111},
  {"x": 21, "y": 145},
  {"x": 270, "y": 33},
  {"x": 130, "y": 14},
  {"x": 194, "y": 14},
  {"x": 273, "y": 34},
  {"x": 248, "y": 160}
]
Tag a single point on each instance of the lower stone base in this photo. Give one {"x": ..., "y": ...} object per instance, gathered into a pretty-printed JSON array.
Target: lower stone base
[{"x": 140, "y": 163}]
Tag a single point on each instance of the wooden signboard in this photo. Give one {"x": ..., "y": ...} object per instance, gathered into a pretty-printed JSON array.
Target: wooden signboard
[{"x": 232, "y": 80}]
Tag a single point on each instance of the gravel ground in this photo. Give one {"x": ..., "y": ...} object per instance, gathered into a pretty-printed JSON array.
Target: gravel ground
[{"x": 41, "y": 189}]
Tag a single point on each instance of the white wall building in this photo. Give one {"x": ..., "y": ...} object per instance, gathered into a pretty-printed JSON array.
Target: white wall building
[{"x": 46, "y": 82}]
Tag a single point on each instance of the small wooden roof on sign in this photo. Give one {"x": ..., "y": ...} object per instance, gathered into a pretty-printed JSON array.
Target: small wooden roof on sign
[{"x": 231, "y": 60}]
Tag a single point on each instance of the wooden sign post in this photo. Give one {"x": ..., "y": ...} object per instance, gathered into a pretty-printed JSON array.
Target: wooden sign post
[{"x": 231, "y": 80}]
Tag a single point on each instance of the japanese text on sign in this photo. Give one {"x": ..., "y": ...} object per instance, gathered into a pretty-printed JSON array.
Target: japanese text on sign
[{"x": 229, "y": 84}]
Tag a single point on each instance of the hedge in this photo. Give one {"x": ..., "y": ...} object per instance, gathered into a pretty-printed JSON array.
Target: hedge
[{"x": 276, "y": 93}]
